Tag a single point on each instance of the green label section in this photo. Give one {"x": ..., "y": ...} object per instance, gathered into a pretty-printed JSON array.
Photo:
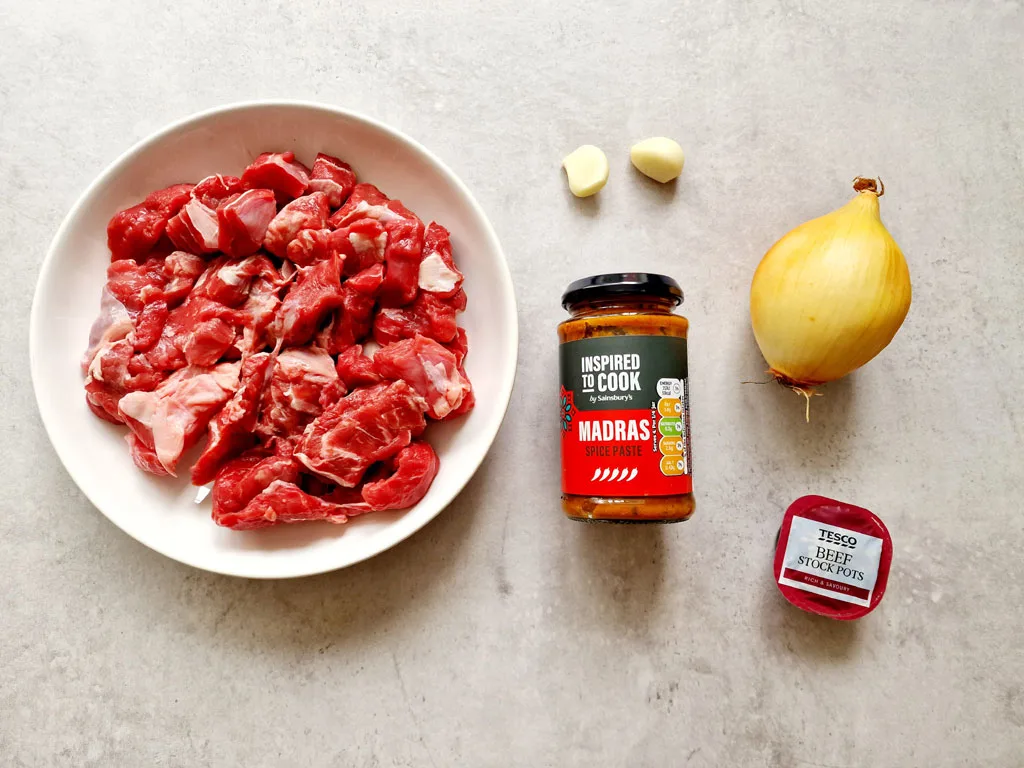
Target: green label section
[{"x": 623, "y": 372}]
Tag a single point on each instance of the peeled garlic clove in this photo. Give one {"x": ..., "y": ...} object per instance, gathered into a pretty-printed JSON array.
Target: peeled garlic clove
[
  {"x": 659, "y": 158},
  {"x": 586, "y": 169}
]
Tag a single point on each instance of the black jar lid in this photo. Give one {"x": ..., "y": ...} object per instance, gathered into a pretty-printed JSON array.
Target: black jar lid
[{"x": 622, "y": 284}]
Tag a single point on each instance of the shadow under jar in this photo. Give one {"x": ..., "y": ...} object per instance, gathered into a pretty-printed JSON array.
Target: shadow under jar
[{"x": 624, "y": 401}]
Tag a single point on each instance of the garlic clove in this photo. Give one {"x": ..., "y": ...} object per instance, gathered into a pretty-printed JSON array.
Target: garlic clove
[
  {"x": 658, "y": 158},
  {"x": 587, "y": 170}
]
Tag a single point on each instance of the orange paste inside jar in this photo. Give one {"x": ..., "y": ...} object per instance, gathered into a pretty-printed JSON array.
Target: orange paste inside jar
[{"x": 626, "y": 457}]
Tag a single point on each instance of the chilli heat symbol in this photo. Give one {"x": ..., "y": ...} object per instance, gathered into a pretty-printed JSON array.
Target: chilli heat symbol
[{"x": 567, "y": 409}]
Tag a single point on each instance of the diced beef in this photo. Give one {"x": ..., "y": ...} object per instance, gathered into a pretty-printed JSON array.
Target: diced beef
[
  {"x": 145, "y": 458},
  {"x": 139, "y": 289},
  {"x": 202, "y": 329},
  {"x": 227, "y": 279},
  {"x": 307, "y": 212},
  {"x": 438, "y": 274},
  {"x": 195, "y": 228},
  {"x": 258, "y": 312},
  {"x": 402, "y": 263},
  {"x": 333, "y": 177},
  {"x": 366, "y": 201},
  {"x": 181, "y": 270},
  {"x": 214, "y": 190},
  {"x": 280, "y": 172},
  {"x": 468, "y": 402},
  {"x": 369, "y": 281},
  {"x": 429, "y": 368},
  {"x": 459, "y": 346},
  {"x": 114, "y": 323},
  {"x": 458, "y": 302},
  {"x": 171, "y": 418},
  {"x": 110, "y": 376},
  {"x": 302, "y": 425},
  {"x": 149, "y": 324},
  {"x": 416, "y": 466},
  {"x": 356, "y": 369},
  {"x": 134, "y": 232},
  {"x": 363, "y": 243},
  {"x": 293, "y": 399},
  {"x": 169, "y": 200},
  {"x": 133, "y": 283},
  {"x": 232, "y": 429},
  {"x": 427, "y": 316},
  {"x": 281, "y": 502},
  {"x": 367, "y": 426},
  {"x": 332, "y": 393},
  {"x": 242, "y": 222},
  {"x": 350, "y": 499},
  {"x": 315, "y": 294},
  {"x": 241, "y": 479},
  {"x": 311, "y": 246},
  {"x": 352, "y": 321},
  {"x": 404, "y": 249},
  {"x": 165, "y": 356}
]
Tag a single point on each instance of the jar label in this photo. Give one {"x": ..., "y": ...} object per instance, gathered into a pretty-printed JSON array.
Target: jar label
[
  {"x": 831, "y": 561},
  {"x": 625, "y": 415}
]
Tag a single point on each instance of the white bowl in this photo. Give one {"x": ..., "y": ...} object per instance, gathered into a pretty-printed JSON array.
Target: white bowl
[{"x": 160, "y": 512}]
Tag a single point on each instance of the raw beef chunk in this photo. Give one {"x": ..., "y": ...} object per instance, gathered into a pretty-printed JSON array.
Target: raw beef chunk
[
  {"x": 171, "y": 418},
  {"x": 402, "y": 263},
  {"x": 143, "y": 456},
  {"x": 201, "y": 330},
  {"x": 363, "y": 243},
  {"x": 181, "y": 270},
  {"x": 134, "y": 232},
  {"x": 367, "y": 426},
  {"x": 293, "y": 399},
  {"x": 241, "y": 479},
  {"x": 459, "y": 346},
  {"x": 438, "y": 273},
  {"x": 281, "y": 502},
  {"x": 416, "y": 466},
  {"x": 428, "y": 368},
  {"x": 109, "y": 378},
  {"x": 311, "y": 246},
  {"x": 316, "y": 293},
  {"x": 258, "y": 314},
  {"x": 232, "y": 429},
  {"x": 280, "y": 172},
  {"x": 355, "y": 369},
  {"x": 227, "y": 279},
  {"x": 242, "y": 222},
  {"x": 367, "y": 282},
  {"x": 308, "y": 212},
  {"x": 404, "y": 249},
  {"x": 427, "y": 316},
  {"x": 113, "y": 324},
  {"x": 216, "y": 189},
  {"x": 195, "y": 228},
  {"x": 332, "y": 177},
  {"x": 351, "y": 322},
  {"x": 366, "y": 201}
]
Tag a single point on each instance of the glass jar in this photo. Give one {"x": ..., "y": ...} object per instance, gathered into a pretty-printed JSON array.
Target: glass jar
[{"x": 624, "y": 401}]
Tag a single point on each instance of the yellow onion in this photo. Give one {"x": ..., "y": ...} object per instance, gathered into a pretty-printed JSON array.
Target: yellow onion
[{"x": 831, "y": 294}]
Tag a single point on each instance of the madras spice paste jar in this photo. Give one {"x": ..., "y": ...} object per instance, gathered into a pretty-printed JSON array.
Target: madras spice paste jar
[{"x": 625, "y": 413}]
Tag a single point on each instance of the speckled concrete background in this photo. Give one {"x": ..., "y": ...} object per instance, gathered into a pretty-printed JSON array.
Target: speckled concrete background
[{"x": 502, "y": 635}]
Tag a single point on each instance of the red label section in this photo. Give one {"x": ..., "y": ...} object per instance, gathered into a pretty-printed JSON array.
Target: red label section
[
  {"x": 624, "y": 453},
  {"x": 822, "y": 583}
]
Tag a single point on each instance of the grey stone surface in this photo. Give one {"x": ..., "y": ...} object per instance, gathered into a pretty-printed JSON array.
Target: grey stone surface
[{"x": 501, "y": 634}]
